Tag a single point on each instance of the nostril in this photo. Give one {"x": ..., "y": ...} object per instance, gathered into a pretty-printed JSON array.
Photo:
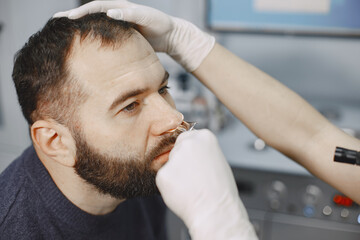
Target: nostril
[
  {"x": 183, "y": 127},
  {"x": 174, "y": 129},
  {"x": 167, "y": 123},
  {"x": 170, "y": 131}
]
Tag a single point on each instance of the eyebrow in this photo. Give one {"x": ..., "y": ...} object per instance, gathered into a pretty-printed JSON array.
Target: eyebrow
[{"x": 132, "y": 93}]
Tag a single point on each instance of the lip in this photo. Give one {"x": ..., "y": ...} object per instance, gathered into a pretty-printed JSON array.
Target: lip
[
  {"x": 167, "y": 150},
  {"x": 163, "y": 154},
  {"x": 161, "y": 159}
]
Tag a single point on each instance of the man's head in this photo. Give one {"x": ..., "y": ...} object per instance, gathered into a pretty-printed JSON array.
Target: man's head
[{"x": 94, "y": 93}]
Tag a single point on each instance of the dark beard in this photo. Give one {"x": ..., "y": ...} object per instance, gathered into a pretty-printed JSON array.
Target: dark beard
[{"x": 121, "y": 178}]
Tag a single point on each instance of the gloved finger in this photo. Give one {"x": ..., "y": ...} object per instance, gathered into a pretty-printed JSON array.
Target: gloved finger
[
  {"x": 151, "y": 23},
  {"x": 137, "y": 15},
  {"x": 61, "y": 14},
  {"x": 164, "y": 173},
  {"x": 116, "y": 14},
  {"x": 93, "y": 7},
  {"x": 96, "y": 6},
  {"x": 161, "y": 180},
  {"x": 140, "y": 15}
]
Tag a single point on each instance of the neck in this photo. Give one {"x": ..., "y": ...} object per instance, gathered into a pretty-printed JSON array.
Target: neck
[{"x": 78, "y": 191}]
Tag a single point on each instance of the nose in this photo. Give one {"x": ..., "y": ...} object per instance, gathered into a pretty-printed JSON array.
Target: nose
[{"x": 164, "y": 117}]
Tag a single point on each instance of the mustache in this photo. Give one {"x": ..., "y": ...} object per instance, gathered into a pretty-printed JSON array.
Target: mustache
[{"x": 164, "y": 144}]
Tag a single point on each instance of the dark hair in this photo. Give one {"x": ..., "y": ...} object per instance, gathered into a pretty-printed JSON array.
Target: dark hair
[{"x": 43, "y": 82}]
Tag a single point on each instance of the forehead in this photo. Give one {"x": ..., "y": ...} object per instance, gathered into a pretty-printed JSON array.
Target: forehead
[{"x": 99, "y": 67}]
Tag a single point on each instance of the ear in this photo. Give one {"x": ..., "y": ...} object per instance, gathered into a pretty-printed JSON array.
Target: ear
[{"x": 55, "y": 141}]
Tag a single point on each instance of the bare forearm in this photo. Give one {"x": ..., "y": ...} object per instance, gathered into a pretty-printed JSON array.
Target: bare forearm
[
  {"x": 271, "y": 110},
  {"x": 280, "y": 117}
]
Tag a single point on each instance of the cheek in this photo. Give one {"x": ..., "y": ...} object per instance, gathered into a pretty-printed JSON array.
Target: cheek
[
  {"x": 132, "y": 139},
  {"x": 125, "y": 136},
  {"x": 123, "y": 150},
  {"x": 116, "y": 139}
]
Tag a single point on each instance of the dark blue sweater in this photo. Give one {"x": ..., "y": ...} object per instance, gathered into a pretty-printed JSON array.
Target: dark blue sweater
[{"x": 32, "y": 207}]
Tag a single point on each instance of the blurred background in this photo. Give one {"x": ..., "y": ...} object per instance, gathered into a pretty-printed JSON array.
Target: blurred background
[{"x": 311, "y": 46}]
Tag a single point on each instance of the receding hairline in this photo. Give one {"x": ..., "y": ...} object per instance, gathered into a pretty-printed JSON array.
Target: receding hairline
[
  {"x": 79, "y": 40},
  {"x": 80, "y": 43},
  {"x": 72, "y": 85},
  {"x": 40, "y": 72}
]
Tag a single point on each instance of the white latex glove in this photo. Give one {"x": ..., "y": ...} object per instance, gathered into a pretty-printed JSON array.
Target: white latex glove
[
  {"x": 182, "y": 40},
  {"x": 198, "y": 185}
]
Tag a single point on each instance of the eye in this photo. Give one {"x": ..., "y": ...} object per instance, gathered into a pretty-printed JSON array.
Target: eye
[
  {"x": 131, "y": 107},
  {"x": 163, "y": 90}
]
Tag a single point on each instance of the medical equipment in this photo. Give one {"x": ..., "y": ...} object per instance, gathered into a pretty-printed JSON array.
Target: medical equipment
[
  {"x": 183, "y": 127},
  {"x": 186, "y": 126},
  {"x": 305, "y": 17},
  {"x": 282, "y": 199},
  {"x": 347, "y": 156}
]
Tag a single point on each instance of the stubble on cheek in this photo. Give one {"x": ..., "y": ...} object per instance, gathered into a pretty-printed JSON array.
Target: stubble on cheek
[{"x": 118, "y": 176}]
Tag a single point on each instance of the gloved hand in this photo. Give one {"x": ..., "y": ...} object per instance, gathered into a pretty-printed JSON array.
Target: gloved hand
[
  {"x": 182, "y": 40},
  {"x": 197, "y": 184}
]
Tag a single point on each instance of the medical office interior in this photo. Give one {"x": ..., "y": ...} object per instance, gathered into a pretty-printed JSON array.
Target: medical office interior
[{"x": 311, "y": 46}]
